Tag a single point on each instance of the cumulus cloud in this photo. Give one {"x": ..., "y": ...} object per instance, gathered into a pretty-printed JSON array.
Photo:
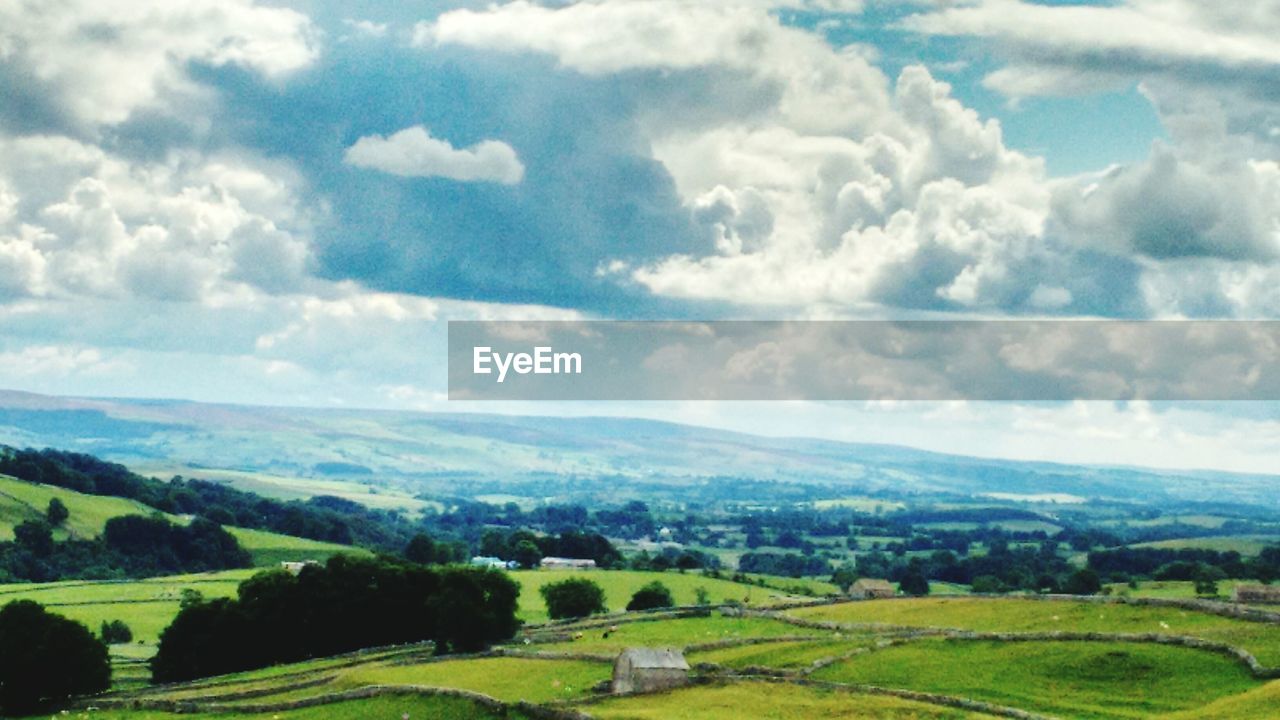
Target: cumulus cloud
[
  {"x": 86, "y": 222},
  {"x": 101, "y": 62},
  {"x": 412, "y": 152}
]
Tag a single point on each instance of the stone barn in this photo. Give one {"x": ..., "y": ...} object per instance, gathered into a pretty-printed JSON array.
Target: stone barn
[
  {"x": 1260, "y": 594},
  {"x": 868, "y": 589},
  {"x": 649, "y": 670}
]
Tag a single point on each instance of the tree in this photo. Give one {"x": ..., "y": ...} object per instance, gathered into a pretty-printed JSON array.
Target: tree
[
  {"x": 421, "y": 549},
  {"x": 115, "y": 632},
  {"x": 914, "y": 583},
  {"x": 527, "y": 554},
  {"x": 1083, "y": 582},
  {"x": 46, "y": 659},
  {"x": 844, "y": 576},
  {"x": 57, "y": 512},
  {"x": 573, "y": 598},
  {"x": 1206, "y": 580},
  {"x": 651, "y": 596},
  {"x": 36, "y": 536}
]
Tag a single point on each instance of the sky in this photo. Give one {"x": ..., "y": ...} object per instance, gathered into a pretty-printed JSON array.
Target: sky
[{"x": 283, "y": 202}]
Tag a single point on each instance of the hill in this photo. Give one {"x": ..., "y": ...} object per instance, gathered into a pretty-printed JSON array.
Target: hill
[
  {"x": 386, "y": 459},
  {"x": 21, "y": 501}
]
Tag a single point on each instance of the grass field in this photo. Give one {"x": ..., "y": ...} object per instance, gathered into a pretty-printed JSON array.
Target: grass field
[
  {"x": 769, "y": 700},
  {"x": 680, "y": 632},
  {"x": 1066, "y": 679},
  {"x": 1016, "y": 615},
  {"x": 620, "y": 585},
  {"x": 781, "y": 654},
  {"x": 1248, "y": 545}
]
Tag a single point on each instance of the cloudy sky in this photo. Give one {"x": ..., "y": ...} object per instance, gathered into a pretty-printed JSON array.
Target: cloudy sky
[{"x": 282, "y": 202}]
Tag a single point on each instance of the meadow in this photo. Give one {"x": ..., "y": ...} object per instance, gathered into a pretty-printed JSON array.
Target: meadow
[
  {"x": 1066, "y": 679},
  {"x": 1022, "y": 615}
]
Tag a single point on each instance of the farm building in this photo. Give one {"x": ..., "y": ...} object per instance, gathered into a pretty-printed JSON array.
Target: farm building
[
  {"x": 486, "y": 561},
  {"x": 649, "y": 670},
  {"x": 556, "y": 563},
  {"x": 293, "y": 568},
  {"x": 1268, "y": 594},
  {"x": 869, "y": 589}
]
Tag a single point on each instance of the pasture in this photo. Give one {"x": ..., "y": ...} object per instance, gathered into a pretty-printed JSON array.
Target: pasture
[
  {"x": 1065, "y": 679},
  {"x": 1024, "y": 615}
]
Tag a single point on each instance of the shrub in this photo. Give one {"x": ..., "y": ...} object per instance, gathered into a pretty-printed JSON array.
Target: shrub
[
  {"x": 573, "y": 598},
  {"x": 46, "y": 659},
  {"x": 653, "y": 595}
]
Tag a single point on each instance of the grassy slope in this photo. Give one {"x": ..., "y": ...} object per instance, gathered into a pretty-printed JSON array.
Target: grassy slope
[
  {"x": 1013, "y": 615},
  {"x": 1067, "y": 679},
  {"x": 20, "y": 501}
]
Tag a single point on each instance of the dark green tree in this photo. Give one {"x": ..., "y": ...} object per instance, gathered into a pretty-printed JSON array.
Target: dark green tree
[
  {"x": 527, "y": 554},
  {"x": 46, "y": 659},
  {"x": 914, "y": 583},
  {"x": 115, "y": 632},
  {"x": 573, "y": 598},
  {"x": 35, "y": 536},
  {"x": 1082, "y": 582},
  {"x": 57, "y": 512},
  {"x": 651, "y": 596}
]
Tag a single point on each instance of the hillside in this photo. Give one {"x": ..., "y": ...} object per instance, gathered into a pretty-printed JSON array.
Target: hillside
[
  {"x": 385, "y": 459},
  {"x": 21, "y": 501}
]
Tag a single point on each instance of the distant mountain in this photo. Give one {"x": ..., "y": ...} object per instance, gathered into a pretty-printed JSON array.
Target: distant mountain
[{"x": 466, "y": 455}]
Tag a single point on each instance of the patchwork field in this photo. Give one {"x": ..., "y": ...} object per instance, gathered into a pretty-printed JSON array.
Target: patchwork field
[
  {"x": 1019, "y": 615},
  {"x": 748, "y": 666}
]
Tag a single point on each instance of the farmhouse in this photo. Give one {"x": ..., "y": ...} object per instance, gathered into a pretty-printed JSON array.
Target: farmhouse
[
  {"x": 1266, "y": 594},
  {"x": 558, "y": 563},
  {"x": 869, "y": 589},
  {"x": 649, "y": 670}
]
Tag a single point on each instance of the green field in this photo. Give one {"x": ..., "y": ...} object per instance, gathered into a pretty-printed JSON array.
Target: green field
[
  {"x": 1066, "y": 679},
  {"x": 1061, "y": 678},
  {"x": 769, "y": 700},
  {"x": 1019, "y": 615},
  {"x": 21, "y": 501},
  {"x": 620, "y": 585},
  {"x": 679, "y": 632},
  {"x": 797, "y": 654},
  {"x": 1248, "y": 545}
]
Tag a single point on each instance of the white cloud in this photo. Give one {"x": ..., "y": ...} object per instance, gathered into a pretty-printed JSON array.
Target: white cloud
[
  {"x": 100, "y": 62},
  {"x": 85, "y": 222},
  {"x": 412, "y": 152}
]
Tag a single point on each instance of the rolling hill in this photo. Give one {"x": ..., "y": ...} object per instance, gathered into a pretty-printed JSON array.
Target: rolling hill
[{"x": 387, "y": 459}]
